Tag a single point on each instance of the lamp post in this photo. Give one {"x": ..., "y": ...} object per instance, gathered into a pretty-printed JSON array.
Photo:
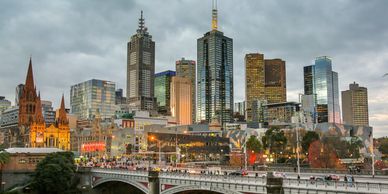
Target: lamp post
[{"x": 160, "y": 151}]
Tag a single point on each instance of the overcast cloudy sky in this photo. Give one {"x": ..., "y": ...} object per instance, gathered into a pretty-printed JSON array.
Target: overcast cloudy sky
[{"x": 74, "y": 41}]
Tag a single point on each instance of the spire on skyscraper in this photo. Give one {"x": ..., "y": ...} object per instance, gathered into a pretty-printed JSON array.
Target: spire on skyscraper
[
  {"x": 214, "y": 15},
  {"x": 142, "y": 29}
]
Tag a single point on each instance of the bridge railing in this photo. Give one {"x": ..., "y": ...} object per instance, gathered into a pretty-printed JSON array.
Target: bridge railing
[
  {"x": 337, "y": 185},
  {"x": 222, "y": 178}
]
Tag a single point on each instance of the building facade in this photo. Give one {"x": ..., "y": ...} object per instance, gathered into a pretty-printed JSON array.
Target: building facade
[
  {"x": 322, "y": 82},
  {"x": 18, "y": 93},
  {"x": 239, "y": 107},
  {"x": 141, "y": 69},
  {"x": 181, "y": 99},
  {"x": 92, "y": 96},
  {"x": 215, "y": 76},
  {"x": 162, "y": 91},
  {"x": 265, "y": 80},
  {"x": 4, "y": 104},
  {"x": 33, "y": 130},
  {"x": 119, "y": 97},
  {"x": 275, "y": 80},
  {"x": 254, "y": 81},
  {"x": 48, "y": 112},
  {"x": 280, "y": 112},
  {"x": 355, "y": 105},
  {"x": 187, "y": 68}
]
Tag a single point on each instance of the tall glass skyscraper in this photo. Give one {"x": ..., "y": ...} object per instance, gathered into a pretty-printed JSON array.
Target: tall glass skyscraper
[
  {"x": 141, "y": 69},
  {"x": 162, "y": 91},
  {"x": 88, "y": 98},
  {"x": 215, "y": 75},
  {"x": 322, "y": 82}
]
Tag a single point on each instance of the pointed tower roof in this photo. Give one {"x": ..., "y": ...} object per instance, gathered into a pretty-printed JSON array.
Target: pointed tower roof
[
  {"x": 214, "y": 15},
  {"x": 62, "y": 118},
  {"x": 142, "y": 29},
  {"x": 30, "y": 77},
  {"x": 38, "y": 111}
]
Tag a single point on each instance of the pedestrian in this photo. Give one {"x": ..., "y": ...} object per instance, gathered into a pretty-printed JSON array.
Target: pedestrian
[
  {"x": 346, "y": 179},
  {"x": 298, "y": 178},
  {"x": 350, "y": 181}
]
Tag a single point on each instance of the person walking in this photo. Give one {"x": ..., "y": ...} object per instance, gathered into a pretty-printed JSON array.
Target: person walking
[{"x": 346, "y": 180}]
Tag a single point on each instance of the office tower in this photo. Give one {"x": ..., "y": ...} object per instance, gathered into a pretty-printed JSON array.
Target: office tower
[
  {"x": 89, "y": 97},
  {"x": 239, "y": 107},
  {"x": 18, "y": 93},
  {"x": 265, "y": 80},
  {"x": 141, "y": 69},
  {"x": 186, "y": 68},
  {"x": 120, "y": 99},
  {"x": 162, "y": 91},
  {"x": 215, "y": 75},
  {"x": 48, "y": 112},
  {"x": 181, "y": 99},
  {"x": 322, "y": 82},
  {"x": 4, "y": 104},
  {"x": 254, "y": 81},
  {"x": 355, "y": 105},
  {"x": 275, "y": 80}
]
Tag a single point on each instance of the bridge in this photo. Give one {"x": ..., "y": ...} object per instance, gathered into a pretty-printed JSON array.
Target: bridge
[{"x": 92, "y": 180}]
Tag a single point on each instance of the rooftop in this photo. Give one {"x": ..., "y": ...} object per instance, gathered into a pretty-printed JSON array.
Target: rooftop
[{"x": 33, "y": 150}]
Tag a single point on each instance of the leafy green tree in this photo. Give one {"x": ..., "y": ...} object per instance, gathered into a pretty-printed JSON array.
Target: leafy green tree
[
  {"x": 254, "y": 144},
  {"x": 307, "y": 139},
  {"x": 274, "y": 140},
  {"x": 55, "y": 174},
  {"x": 383, "y": 148}
]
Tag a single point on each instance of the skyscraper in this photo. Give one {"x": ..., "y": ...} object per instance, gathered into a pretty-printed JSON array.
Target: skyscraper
[
  {"x": 275, "y": 80},
  {"x": 355, "y": 105},
  {"x": 162, "y": 91},
  {"x": 141, "y": 69},
  {"x": 181, "y": 98},
  {"x": 215, "y": 75},
  {"x": 186, "y": 68},
  {"x": 91, "y": 97},
  {"x": 265, "y": 81},
  {"x": 4, "y": 104},
  {"x": 322, "y": 82},
  {"x": 254, "y": 81},
  {"x": 18, "y": 93}
]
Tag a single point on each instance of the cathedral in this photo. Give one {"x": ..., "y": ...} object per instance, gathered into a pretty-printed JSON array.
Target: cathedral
[{"x": 34, "y": 131}]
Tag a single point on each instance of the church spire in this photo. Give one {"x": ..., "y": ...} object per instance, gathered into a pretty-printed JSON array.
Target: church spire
[
  {"x": 62, "y": 118},
  {"x": 30, "y": 77},
  {"x": 39, "y": 119},
  {"x": 214, "y": 15}
]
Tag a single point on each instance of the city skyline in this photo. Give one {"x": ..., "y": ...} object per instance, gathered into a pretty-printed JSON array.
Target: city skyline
[{"x": 102, "y": 46}]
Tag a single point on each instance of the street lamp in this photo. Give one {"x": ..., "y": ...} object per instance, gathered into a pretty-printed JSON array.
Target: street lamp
[{"x": 160, "y": 152}]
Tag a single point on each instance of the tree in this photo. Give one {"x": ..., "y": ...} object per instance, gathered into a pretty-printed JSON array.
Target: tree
[
  {"x": 383, "y": 148},
  {"x": 4, "y": 158},
  {"x": 254, "y": 144},
  {"x": 307, "y": 139},
  {"x": 55, "y": 174},
  {"x": 274, "y": 140}
]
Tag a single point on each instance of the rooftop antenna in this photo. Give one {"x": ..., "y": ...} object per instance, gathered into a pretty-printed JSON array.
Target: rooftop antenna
[{"x": 214, "y": 15}]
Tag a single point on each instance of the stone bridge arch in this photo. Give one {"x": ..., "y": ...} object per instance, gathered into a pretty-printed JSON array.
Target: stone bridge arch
[
  {"x": 127, "y": 181},
  {"x": 178, "y": 189}
]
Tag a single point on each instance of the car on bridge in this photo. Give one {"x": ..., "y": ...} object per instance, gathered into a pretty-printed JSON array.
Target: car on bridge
[{"x": 239, "y": 173}]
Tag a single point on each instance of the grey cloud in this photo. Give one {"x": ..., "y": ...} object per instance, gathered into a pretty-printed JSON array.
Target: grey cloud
[{"x": 73, "y": 41}]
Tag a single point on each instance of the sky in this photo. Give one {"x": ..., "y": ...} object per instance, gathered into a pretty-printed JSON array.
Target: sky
[{"x": 73, "y": 41}]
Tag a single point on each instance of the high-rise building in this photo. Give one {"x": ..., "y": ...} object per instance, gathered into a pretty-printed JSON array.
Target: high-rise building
[
  {"x": 181, "y": 99},
  {"x": 48, "y": 112},
  {"x": 265, "y": 80},
  {"x": 120, "y": 99},
  {"x": 162, "y": 91},
  {"x": 4, "y": 104},
  {"x": 321, "y": 82},
  {"x": 18, "y": 93},
  {"x": 215, "y": 75},
  {"x": 254, "y": 81},
  {"x": 186, "y": 68},
  {"x": 355, "y": 105},
  {"x": 92, "y": 96},
  {"x": 275, "y": 81},
  {"x": 141, "y": 69},
  {"x": 239, "y": 107}
]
